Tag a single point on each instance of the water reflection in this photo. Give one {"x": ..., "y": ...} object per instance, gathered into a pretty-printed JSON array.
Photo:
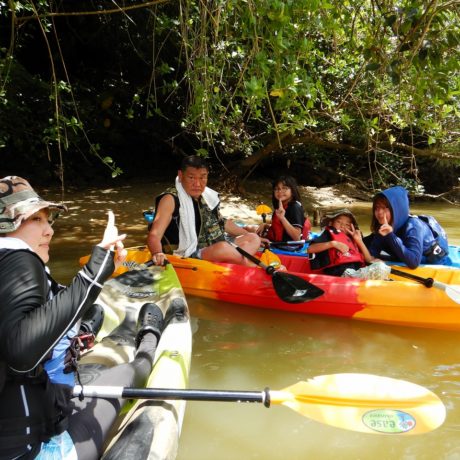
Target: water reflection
[
  {"x": 240, "y": 348},
  {"x": 248, "y": 349}
]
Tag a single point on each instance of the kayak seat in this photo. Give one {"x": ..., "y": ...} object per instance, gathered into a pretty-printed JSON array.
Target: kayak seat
[{"x": 177, "y": 310}]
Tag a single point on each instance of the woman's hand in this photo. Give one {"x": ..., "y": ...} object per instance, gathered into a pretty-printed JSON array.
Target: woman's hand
[
  {"x": 385, "y": 228},
  {"x": 113, "y": 241}
]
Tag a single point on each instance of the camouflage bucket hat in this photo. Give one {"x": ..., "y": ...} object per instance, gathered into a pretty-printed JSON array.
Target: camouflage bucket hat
[
  {"x": 18, "y": 201},
  {"x": 330, "y": 215}
]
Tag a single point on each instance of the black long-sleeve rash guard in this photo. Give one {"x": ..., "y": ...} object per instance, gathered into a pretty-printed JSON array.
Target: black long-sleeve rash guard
[{"x": 31, "y": 324}]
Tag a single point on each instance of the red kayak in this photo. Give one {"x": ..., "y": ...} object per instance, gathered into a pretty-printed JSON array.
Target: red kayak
[{"x": 398, "y": 301}]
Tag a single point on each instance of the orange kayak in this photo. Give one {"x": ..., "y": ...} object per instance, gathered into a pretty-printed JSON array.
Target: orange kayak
[{"x": 399, "y": 301}]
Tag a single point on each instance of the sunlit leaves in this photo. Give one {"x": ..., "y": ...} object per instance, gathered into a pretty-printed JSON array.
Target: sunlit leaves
[{"x": 293, "y": 64}]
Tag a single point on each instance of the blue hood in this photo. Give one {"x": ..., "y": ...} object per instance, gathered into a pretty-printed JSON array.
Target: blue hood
[{"x": 399, "y": 201}]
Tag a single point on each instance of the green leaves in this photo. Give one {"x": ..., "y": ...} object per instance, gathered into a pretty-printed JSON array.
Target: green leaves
[
  {"x": 238, "y": 75},
  {"x": 255, "y": 88},
  {"x": 300, "y": 60}
]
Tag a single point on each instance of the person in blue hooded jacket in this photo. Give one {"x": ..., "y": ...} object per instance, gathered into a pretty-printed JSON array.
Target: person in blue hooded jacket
[{"x": 405, "y": 238}]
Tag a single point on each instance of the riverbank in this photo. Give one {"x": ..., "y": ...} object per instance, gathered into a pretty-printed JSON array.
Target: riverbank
[
  {"x": 314, "y": 199},
  {"x": 128, "y": 199}
]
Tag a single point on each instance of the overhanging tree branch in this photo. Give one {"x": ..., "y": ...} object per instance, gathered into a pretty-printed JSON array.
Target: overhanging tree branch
[
  {"x": 89, "y": 13},
  {"x": 310, "y": 138}
]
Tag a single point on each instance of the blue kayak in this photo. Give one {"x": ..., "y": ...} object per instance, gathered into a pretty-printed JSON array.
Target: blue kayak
[{"x": 299, "y": 248}]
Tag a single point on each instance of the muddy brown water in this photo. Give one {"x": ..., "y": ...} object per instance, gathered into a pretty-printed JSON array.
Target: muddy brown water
[{"x": 246, "y": 349}]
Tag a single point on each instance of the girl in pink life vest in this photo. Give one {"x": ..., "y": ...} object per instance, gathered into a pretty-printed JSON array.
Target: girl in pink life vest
[
  {"x": 340, "y": 251},
  {"x": 288, "y": 220}
]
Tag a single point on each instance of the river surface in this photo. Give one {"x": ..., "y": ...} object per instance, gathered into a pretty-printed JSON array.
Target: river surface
[{"x": 238, "y": 348}]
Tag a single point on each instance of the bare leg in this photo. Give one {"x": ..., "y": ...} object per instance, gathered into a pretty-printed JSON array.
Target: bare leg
[
  {"x": 224, "y": 252},
  {"x": 250, "y": 243}
]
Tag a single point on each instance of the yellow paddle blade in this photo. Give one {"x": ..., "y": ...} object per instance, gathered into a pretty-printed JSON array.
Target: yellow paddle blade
[
  {"x": 366, "y": 403},
  {"x": 263, "y": 209},
  {"x": 270, "y": 258}
]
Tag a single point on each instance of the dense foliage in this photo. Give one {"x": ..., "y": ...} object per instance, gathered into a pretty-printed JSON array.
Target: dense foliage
[{"x": 340, "y": 88}]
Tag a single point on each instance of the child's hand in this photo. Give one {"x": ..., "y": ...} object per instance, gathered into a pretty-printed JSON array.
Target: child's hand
[
  {"x": 262, "y": 229},
  {"x": 341, "y": 247},
  {"x": 355, "y": 233},
  {"x": 280, "y": 211}
]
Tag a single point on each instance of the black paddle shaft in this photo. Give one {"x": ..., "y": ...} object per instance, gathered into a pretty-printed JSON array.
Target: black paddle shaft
[
  {"x": 163, "y": 394},
  {"x": 269, "y": 269},
  {"x": 198, "y": 395},
  {"x": 428, "y": 282}
]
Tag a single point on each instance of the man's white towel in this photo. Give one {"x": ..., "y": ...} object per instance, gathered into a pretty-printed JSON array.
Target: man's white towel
[{"x": 188, "y": 239}]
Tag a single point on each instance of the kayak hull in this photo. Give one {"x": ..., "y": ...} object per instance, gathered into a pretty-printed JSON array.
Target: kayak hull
[
  {"x": 144, "y": 429},
  {"x": 398, "y": 302}
]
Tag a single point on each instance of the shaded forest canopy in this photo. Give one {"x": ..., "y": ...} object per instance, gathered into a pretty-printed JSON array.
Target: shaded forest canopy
[{"x": 328, "y": 91}]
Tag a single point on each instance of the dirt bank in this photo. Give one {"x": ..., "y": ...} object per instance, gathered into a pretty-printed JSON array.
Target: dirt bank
[{"x": 314, "y": 199}]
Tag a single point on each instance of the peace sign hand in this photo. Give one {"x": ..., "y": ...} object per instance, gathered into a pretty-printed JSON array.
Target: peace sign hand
[
  {"x": 385, "y": 228},
  {"x": 355, "y": 233}
]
